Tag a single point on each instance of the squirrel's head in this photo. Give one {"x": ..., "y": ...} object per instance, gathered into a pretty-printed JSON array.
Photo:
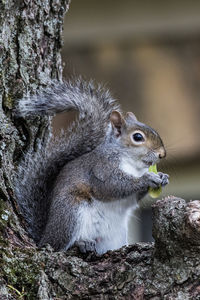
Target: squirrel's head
[{"x": 140, "y": 140}]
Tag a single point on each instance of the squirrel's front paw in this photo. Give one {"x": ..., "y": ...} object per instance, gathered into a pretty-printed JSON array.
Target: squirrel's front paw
[
  {"x": 153, "y": 180},
  {"x": 164, "y": 178},
  {"x": 86, "y": 245}
]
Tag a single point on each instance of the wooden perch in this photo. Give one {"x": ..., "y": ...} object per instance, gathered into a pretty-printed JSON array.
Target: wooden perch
[{"x": 166, "y": 269}]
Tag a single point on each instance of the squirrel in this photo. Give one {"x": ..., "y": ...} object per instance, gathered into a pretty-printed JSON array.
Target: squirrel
[{"x": 80, "y": 189}]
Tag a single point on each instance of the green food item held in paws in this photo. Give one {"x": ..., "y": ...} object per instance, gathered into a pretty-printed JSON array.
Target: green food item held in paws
[{"x": 154, "y": 193}]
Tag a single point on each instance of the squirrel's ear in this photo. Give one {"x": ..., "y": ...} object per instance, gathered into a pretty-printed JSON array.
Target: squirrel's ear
[
  {"x": 130, "y": 117},
  {"x": 117, "y": 121}
]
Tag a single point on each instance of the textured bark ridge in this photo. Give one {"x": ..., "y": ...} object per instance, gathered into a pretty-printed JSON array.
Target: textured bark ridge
[{"x": 30, "y": 43}]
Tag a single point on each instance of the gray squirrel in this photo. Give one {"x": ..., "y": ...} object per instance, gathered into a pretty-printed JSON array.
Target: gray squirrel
[{"x": 81, "y": 188}]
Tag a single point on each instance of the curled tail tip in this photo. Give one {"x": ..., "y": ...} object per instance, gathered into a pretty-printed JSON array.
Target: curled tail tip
[
  {"x": 21, "y": 109},
  {"x": 31, "y": 105}
]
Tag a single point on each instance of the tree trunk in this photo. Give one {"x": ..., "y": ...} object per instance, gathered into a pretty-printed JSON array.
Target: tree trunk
[{"x": 30, "y": 47}]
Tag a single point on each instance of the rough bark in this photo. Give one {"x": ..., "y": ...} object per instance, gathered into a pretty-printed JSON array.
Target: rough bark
[
  {"x": 168, "y": 269},
  {"x": 30, "y": 44},
  {"x": 30, "y": 33}
]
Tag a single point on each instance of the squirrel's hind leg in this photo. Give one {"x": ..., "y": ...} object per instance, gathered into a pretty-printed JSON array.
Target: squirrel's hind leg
[{"x": 62, "y": 226}]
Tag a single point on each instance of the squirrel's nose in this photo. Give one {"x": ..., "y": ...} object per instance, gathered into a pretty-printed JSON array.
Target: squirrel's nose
[{"x": 161, "y": 152}]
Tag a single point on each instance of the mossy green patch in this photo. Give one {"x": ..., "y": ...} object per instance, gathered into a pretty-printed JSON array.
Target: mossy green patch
[
  {"x": 21, "y": 273},
  {"x": 8, "y": 102}
]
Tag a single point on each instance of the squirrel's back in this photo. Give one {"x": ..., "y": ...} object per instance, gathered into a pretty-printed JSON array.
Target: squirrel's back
[{"x": 38, "y": 171}]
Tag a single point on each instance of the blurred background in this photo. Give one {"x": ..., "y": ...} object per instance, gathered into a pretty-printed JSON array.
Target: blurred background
[{"x": 148, "y": 54}]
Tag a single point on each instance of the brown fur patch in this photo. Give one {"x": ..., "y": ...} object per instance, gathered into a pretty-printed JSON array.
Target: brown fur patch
[{"x": 82, "y": 192}]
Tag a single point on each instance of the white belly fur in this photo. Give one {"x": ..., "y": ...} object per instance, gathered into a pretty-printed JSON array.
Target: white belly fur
[{"x": 106, "y": 222}]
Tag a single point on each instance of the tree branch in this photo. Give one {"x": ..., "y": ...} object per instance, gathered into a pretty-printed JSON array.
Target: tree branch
[{"x": 167, "y": 269}]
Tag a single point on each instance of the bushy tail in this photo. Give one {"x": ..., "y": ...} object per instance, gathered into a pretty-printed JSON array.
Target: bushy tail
[{"x": 39, "y": 170}]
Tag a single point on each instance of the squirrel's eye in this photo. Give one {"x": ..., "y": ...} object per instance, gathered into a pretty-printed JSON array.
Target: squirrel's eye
[{"x": 138, "y": 137}]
